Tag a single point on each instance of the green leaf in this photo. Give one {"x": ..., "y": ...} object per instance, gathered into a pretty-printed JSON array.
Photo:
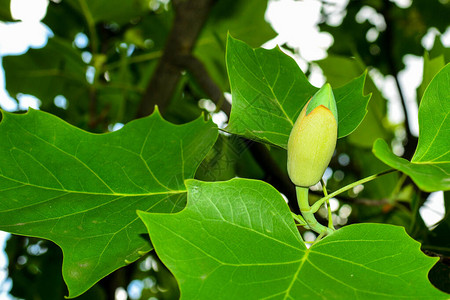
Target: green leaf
[
  {"x": 429, "y": 177},
  {"x": 351, "y": 104},
  {"x": 269, "y": 90},
  {"x": 82, "y": 190},
  {"x": 111, "y": 10},
  {"x": 244, "y": 19},
  {"x": 431, "y": 66},
  {"x": 367, "y": 164},
  {"x": 430, "y": 165},
  {"x": 237, "y": 240},
  {"x": 56, "y": 69},
  {"x": 339, "y": 70},
  {"x": 5, "y": 10}
]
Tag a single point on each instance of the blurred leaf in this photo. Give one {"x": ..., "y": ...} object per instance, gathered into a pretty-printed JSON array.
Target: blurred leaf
[
  {"x": 153, "y": 28},
  {"x": 35, "y": 269},
  {"x": 5, "y": 11},
  {"x": 35, "y": 274},
  {"x": 439, "y": 238},
  {"x": 243, "y": 19},
  {"x": 439, "y": 49},
  {"x": 116, "y": 11},
  {"x": 269, "y": 90},
  {"x": 431, "y": 66},
  {"x": 438, "y": 241},
  {"x": 64, "y": 21},
  {"x": 382, "y": 187},
  {"x": 384, "y": 48},
  {"x": 434, "y": 13},
  {"x": 56, "y": 69},
  {"x": 433, "y": 62},
  {"x": 237, "y": 240},
  {"x": 440, "y": 276},
  {"x": 82, "y": 190},
  {"x": 430, "y": 165},
  {"x": 340, "y": 69}
]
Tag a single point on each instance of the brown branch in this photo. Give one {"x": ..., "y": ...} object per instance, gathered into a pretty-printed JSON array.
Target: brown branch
[
  {"x": 200, "y": 74},
  {"x": 190, "y": 16}
]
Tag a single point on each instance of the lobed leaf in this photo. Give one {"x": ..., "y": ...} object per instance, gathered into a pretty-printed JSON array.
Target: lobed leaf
[
  {"x": 339, "y": 70},
  {"x": 269, "y": 90},
  {"x": 82, "y": 190},
  {"x": 237, "y": 240},
  {"x": 430, "y": 165}
]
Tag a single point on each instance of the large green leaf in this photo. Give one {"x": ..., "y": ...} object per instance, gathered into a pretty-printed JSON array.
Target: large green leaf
[
  {"x": 430, "y": 165},
  {"x": 237, "y": 240},
  {"x": 82, "y": 190},
  {"x": 269, "y": 90}
]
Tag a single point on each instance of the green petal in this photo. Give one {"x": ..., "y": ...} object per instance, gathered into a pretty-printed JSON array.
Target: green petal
[{"x": 324, "y": 97}]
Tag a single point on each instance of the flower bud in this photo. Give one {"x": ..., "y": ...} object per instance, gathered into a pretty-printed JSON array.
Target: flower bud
[{"x": 313, "y": 139}]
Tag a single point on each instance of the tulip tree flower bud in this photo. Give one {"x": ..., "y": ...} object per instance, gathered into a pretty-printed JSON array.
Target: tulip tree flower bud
[{"x": 313, "y": 139}]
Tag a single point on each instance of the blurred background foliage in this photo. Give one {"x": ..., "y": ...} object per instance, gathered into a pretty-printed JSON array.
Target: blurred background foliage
[{"x": 109, "y": 62}]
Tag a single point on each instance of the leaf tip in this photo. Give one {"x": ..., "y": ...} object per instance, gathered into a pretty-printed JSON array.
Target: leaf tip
[
  {"x": 156, "y": 111},
  {"x": 378, "y": 145}
]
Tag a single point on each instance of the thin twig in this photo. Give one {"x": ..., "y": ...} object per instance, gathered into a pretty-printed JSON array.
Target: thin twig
[{"x": 315, "y": 207}]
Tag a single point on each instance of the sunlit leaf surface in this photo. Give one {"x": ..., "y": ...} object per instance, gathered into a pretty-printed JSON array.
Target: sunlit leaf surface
[
  {"x": 82, "y": 190},
  {"x": 430, "y": 165},
  {"x": 269, "y": 90},
  {"x": 237, "y": 240}
]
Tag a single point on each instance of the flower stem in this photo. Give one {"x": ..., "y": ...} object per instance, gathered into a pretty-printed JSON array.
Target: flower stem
[
  {"x": 300, "y": 220},
  {"x": 308, "y": 214},
  {"x": 315, "y": 207},
  {"x": 330, "y": 216}
]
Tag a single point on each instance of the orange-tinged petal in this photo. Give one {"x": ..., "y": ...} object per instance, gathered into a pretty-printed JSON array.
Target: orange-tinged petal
[{"x": 311, "y": 145}]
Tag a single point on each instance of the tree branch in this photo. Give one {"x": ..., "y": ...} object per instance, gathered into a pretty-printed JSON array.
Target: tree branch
[
  {"x": 190, "y": 16},
  {"x": 198, "y": 70}
]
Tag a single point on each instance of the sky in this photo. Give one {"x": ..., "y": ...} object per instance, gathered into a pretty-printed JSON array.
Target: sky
[{"x": 286, "y": 16}]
